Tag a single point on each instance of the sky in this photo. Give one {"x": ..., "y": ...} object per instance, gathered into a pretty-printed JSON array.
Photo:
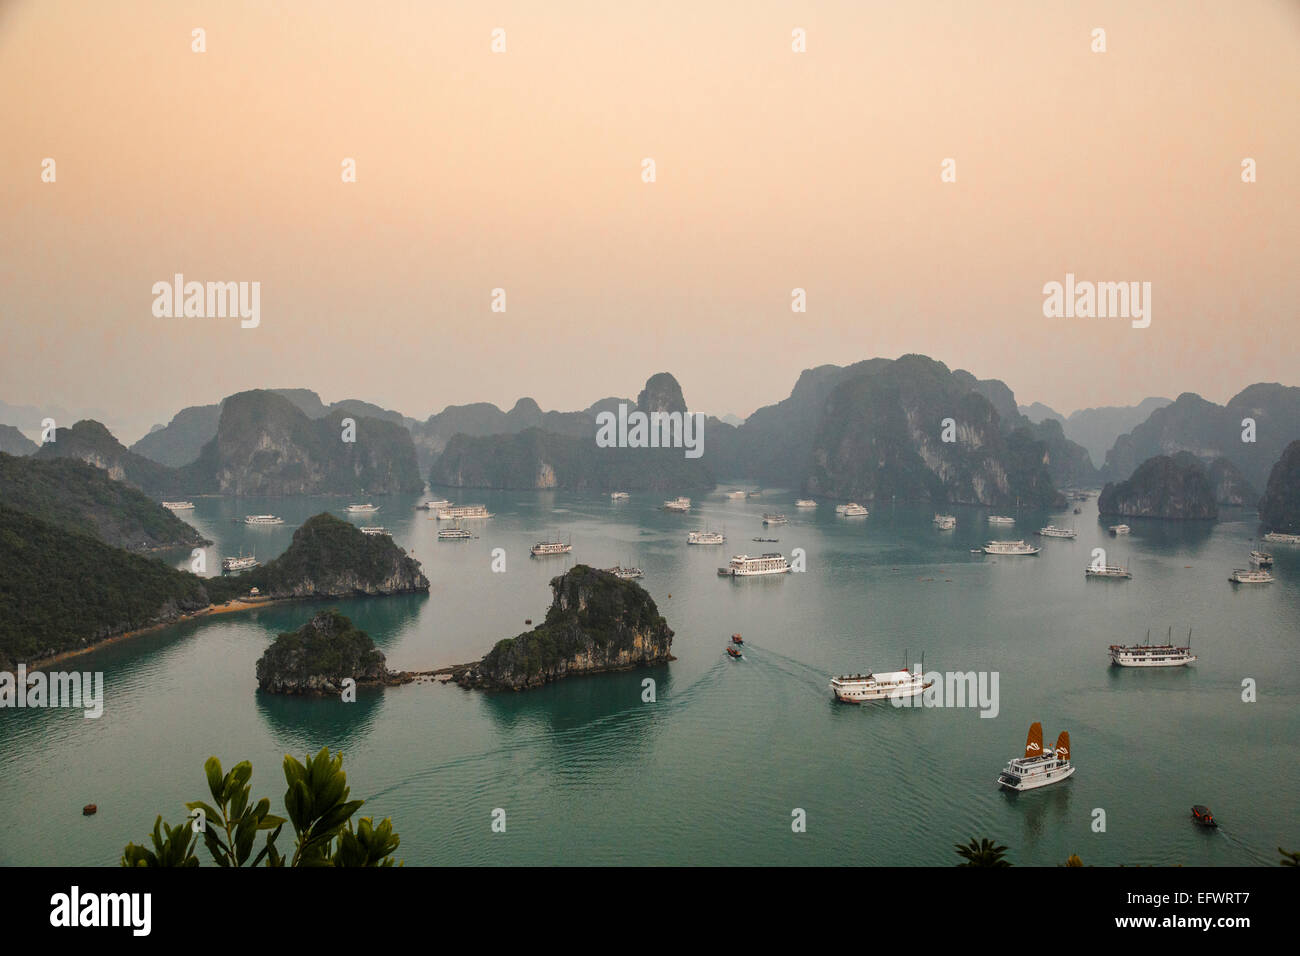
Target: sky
[{"x": 522, "y": 170}]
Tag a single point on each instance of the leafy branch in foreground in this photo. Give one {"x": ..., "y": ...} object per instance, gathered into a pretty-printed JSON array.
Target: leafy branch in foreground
[
  {"x": 981, "y": 853},
  {"x": 318, "y": 809}
]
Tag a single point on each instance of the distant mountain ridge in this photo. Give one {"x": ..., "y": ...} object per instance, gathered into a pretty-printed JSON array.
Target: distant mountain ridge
[{"x": 1097, "y": 428}]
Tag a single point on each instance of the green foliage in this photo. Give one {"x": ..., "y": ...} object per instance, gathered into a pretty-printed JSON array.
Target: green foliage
[
  {"x": 318, "y": 809},
  {"x": 325, "y": 549},
  {"x": 172, "y": 846},
  {"x": 328, "y": 645},
  {"x": 981, "y": 853},
  {"x": 83, "y": 499},
  {"x": 1288, "y": 858},
  {"x": 61, "y": 590}
]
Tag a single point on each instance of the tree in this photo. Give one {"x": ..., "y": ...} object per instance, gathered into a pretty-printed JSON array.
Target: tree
[
  {"x": 981, "y": 853},
  {"x": 1289, "y": 858},
  {"x": 318, "y": 809}
]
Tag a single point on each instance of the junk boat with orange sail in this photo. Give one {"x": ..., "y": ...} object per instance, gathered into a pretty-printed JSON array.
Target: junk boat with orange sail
[{"x": 1038, "y": 767}]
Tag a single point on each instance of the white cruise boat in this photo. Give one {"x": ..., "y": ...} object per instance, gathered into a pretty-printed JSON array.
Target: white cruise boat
[
  {"x": 1001, "y": 519},
  {"x": 1118, "y": 529},
  {"x": 241, "y": 563},
  {"x": 366, "y": 509},
  {"x": 852, "y": 510},
  {"x": 433, "y": 504},
  {"x": 619, "y": 496},
  {"x": 945, "y": 522},
  {"x": 736, "y": 495},
  {"x": 1152, "y": 655},
  {"x": 1261, "y": 559},
  {"x": 544, "y": 549},
  {"x": 1107, "y": 571},
  {"x": 1282, "y": 538},
  {"x": 857, "y": 688},
  {"x": 775, "y": 519},
  {"x": 705, "y": 537},
  {"x": 1244, "y": 576},
  {"x": 178, "y": 505},
  {"x": 1038, "y": 767},
  {"x": 375, "y": 529},
  {"x": 263, "y": 519},
  {"x": 678, "y": 504},
  {"x": 454, "y": 533},
  {"x": 745, "y": 566},
  {"x": 1052, "y": 531},
  {"x": 1010, "y": 547},
  {"x": 626, "y": 574},
  {"x": 805, "y": 503},
  {"x": 456, "y": 512}
]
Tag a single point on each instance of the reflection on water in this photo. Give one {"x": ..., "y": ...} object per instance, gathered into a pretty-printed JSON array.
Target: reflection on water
[{"x": 305, "y": 724}]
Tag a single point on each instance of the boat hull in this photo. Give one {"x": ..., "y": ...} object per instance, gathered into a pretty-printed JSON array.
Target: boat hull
[{"x": 1035, "y": 781}]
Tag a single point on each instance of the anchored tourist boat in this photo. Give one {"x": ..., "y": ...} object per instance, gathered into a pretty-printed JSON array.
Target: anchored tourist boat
[
  {"x": 433, "y": 505},
  {"x": 1261, "y": 559},
  {"x": 1118, "y": 529},
  {"x": 263, "y": 519},
  {"x": 543, "y": 549},
  {"x": 744, "y": 566},
  {"x": 775, "y": 519},
  {"x": 678, "y": 504},
  {"x": 1010, "y": 547},
  {"x": 1107, "y": 571},
  {"x": 375, "y": 529},
  {"x": 619, "y": 496},
  {"x": 736, "y": 495},
  {"x": 241, "y": 563},
  {"x": 852, "y": 510},
  {"x": 857, "y": 688},
  {"x": 1282, "y": 538},
  {"x": 454, "y": 533},
  {"x": 627, "y": 574},
  {"x": 1051, "y": 531},
  {"x": 1038, "y": 767},
  {"x": 945, "y": 522},
  {"x": 805, "y": 503},
  {"x": 1001, "y": 519},
  {"x": 178, "y": 505},
  {"x": 366, "y": 509},
  {"x": 705, "y": 537},
  {"x": 456, "y": 512},
  {"x": 1245, "y": 576},
  {"x": 1153, "y": 655}
]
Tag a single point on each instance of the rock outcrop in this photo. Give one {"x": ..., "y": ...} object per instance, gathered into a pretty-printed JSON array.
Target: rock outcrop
[
  {"x": 1279, "y": 509},
  {"x": 596, "y": 623},
  {"x": 320, "y": 656},
  {"x": 330, "y": 558},
  {"x": 1173, "y": 487}
]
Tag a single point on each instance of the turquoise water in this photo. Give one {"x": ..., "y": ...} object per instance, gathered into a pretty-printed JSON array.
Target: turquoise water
[{"x": 587, "y": 772}]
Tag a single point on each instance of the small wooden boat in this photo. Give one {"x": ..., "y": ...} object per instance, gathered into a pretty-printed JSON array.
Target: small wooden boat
[
  {"x": 737, "y": 639},
  {"x": 1203, "y": 816},
  {"x": 733, "y": 650},
  {"x": 89, "y": 810}
]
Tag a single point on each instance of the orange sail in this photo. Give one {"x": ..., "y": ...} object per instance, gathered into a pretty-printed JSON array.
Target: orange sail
[
  {"x": 1063, "y": 745},
  {"x": 1034, "y": 745}
]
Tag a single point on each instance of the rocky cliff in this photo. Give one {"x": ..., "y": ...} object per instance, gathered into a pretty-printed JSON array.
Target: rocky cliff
[
  {"x": 330, "y": 558},
  {"x": 1279, "y": 509},
  {"x": 596, "y": 623},
  {"x": 882, "y": 437},
  {"x": 1173, "y": 487},
  {"x": 266, "y": 445},
  {"x": 14, "y": 442},
  {"x": 1230, "y": 486},
  {"x": 318, "y": 657}
]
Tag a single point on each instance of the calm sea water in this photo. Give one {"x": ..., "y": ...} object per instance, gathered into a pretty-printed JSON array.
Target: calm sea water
[{"x": 588, "y": 773}]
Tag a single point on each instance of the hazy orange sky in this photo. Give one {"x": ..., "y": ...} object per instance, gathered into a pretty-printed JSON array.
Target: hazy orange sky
[{"x": 522, "y": 170}]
